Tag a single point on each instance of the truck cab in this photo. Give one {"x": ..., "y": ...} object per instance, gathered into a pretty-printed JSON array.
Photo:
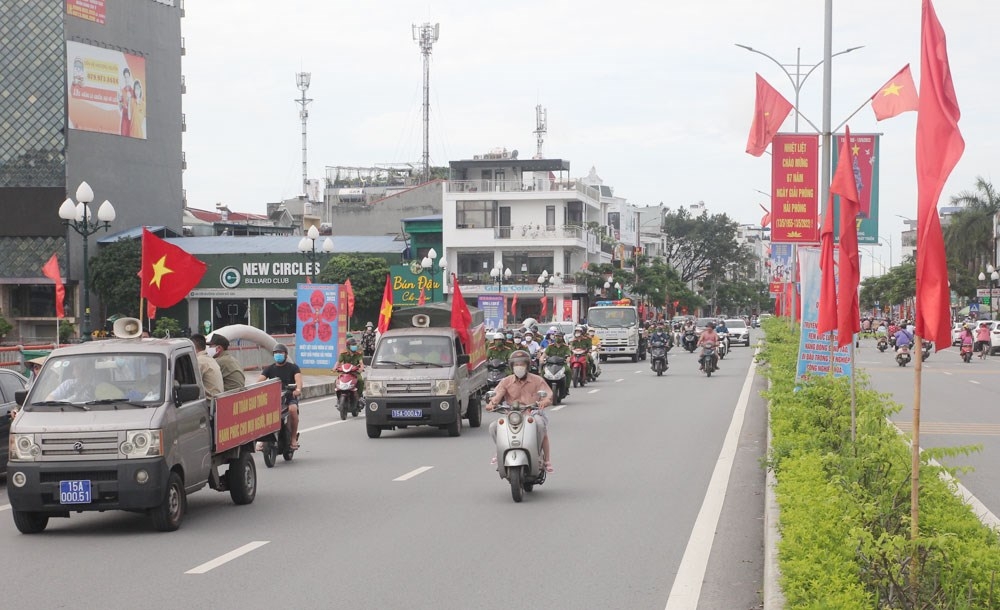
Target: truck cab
[{"x": 616, "y": 323}]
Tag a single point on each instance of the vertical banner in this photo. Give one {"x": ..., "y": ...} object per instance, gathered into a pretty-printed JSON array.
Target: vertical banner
[
  {"x": 567, "y": 311},
  {"x": 106, "y": 90},
  {"x": 781, "y": 268},
  {"x": 865, "y": 163},
  {"x": 321, "y": 325},
  {"x": 814, "y": 348},
  {"x": 493, "y": 306},
  {"x": 795, "y": 188}
]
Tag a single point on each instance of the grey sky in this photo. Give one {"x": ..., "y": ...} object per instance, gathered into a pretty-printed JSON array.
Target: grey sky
[{"x": 653, "y": 94}]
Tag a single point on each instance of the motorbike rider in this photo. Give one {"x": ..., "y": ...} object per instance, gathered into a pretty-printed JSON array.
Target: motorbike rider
[
  {"x": 966, "y": 336},
  {"x": 581, "y": 340},
  {"x": 498, "y": 350},
  {"x": 881, "y": 330},
  {"x": 722, "y": 330},
  {"x": 708, "y": 336},
  {"x": 523, "y": 387},
  {"x": 559, "y": 348},
  {"x": 983, "y": 339},
  {"x": 353, "y": 356},
  {"x": 289, "y": 373},
  {"x": 905, "y": 337},
  {"x": 595, "y": 342},
  {"x": 509, "y": 337},
  {"x": 368, "y": 340}
]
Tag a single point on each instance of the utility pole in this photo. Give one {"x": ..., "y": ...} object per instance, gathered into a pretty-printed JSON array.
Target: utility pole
[{"x": 426, "y": 35}]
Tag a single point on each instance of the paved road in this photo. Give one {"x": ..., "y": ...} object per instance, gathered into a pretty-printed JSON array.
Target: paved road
[
  {"x": 959, "y": 407},
  {"x": 634, "y": 457}
]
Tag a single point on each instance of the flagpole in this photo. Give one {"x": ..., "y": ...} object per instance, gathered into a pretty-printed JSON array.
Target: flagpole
[
  {"x": 915, "y": 446},
  {"x": 854, "y": 398}
]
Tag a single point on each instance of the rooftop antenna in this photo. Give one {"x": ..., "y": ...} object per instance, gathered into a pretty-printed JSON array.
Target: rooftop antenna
[
  {"x": 541, "y": 128},
  {"x": 302, "y": 81},
  {"x": 426, "y": 35}
]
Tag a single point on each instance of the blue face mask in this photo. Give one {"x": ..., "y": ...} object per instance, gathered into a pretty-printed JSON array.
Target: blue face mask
[
  {"x": 354, "y": 348},
  {"x": 279, "y": 358}
]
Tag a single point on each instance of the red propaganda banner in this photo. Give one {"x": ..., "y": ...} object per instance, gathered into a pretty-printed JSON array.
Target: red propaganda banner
[
  {"x": 91, "y": 10},
  {"x": 567, "y": 314},
  {"x": 795, "y": 188},
  {"x": 245, "y": 415}
]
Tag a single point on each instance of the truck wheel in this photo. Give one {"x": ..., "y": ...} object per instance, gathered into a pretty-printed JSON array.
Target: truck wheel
[
  {"x": 603, "y": 358},
  {"x": 475, "y": 412},
  {"x": 635, "y": 357},
  {"x": 167, "y": 516},
  {"x": 30, "y": 523},
  {"x": 373, "y": 431},
  {"x": 455, "y": 427},
  {"x": 242, "y": 479}
]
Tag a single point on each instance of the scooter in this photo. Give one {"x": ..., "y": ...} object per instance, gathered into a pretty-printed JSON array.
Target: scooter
[
  {"x": 690, "y": 341},
  {"x": 925, "y": 350},
  {"x": 579, "y": 362},
  {"x": 554, "y": 372},
  {"x": 594, "y": 371},
  {"x": 658, "y": 357},
  {"x": 723, "y": 346},
  {"x": 280, "y": 441},
  {"x": 348, "y": 400},
  {"x": 519, "y": 447},
  {"x": 882, "y": 344},
  {"x": 496, "y": 370},
  {"x": 903, "y": 355},
  {"x": 709, "y": 360},
  {"x": 966, "y": 352}
]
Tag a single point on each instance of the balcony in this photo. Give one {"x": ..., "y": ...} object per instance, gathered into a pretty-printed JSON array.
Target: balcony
[
  {"x": 519, "y": 283},
  {"x": 183, "y": 47},
  {"x": 518, "y": 186},
  {"x": 184, "y": 88},
  {"x": 539, "y": 232}
]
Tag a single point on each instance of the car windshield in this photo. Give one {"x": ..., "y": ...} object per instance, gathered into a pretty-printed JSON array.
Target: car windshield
[
  {"x": 104, "y": 381},
  {"x": 703, "y": 322},
  {"x": 612, "y": 317},
  {"x": 736, "y": 324},
  {"x": 413, "y": 350}
]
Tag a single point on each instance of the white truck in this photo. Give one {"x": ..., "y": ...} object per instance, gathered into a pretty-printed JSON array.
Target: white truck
[{"x": 616, "y": 324}]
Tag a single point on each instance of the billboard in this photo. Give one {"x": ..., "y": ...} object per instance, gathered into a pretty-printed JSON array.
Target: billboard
[
  {"x": 865, "y": 162},
  {"x": 814, "y": 348},
  {"x": 409, "y": 280},
  {"x": 493, "y": 307},
  {"x": 321, "y": 325},
  {"x": 106, "y": 89},
  {"x": 91, "y": 10},
  {"x": 795, "y": 188}
]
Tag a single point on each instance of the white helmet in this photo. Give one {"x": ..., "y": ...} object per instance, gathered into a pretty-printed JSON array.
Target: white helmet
[
  {"x": 529, "y": 323},
  {"x": 495, "y": 336}
]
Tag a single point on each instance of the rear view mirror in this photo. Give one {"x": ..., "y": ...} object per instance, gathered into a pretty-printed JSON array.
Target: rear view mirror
[
  {"x": 186, "y": 393},
  {"x": 19, "y": 396},
  {"x": 542, "y": 394},
  {"x": 463, "y": 359}
]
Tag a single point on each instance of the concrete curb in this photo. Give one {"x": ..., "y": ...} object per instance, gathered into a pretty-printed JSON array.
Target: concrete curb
[
  {"x": 774, "y": 598},
  {"x": 318, "y": 390}
]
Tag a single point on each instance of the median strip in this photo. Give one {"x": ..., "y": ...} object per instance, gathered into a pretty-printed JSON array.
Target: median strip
[{"x": 224, "y": 559}]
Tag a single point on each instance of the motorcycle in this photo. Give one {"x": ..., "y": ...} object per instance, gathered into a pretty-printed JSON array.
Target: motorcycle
[
  {"x": 280, "y": 441},
  {"x": 723, "y": 346},
  {"x": 966, "y": 352},
  {"x": 643, "y": 344},
  {"x": 554, "y": 372},
  {"x": 595, "y": 367},
  {"x": 519, "y": 448},
  {"x": 690, "y": 340},
  {"x": 658, "y": 357},
  {"x": 496, "y": 370},
  {"x": 348, "y": 400},
  {"x": 709, "y": 359},
  {"x": 579, "y": 362},
  {"x": 903, "y": 355},
  {"x": 925, "y": 350},
  {"x": 883, "y": 344}
]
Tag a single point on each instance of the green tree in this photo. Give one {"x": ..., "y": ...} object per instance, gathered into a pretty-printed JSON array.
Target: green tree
[
  {"x": 113, "y": 277},
  {"x": 167, "y": 327},
  {"x": 700, "y": 247},
  {"x": 891, "y": 288},
  {"x": 367, "y": 275},
  {"x": 5, "y": 327},
  {"x": 970, "y": 236}
]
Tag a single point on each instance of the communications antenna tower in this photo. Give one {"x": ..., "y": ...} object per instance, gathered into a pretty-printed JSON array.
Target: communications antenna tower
[
  {"x": 302, "y": 81},
  {"x": 541, "y": 128},
  {"x": 426, "y": 35}
]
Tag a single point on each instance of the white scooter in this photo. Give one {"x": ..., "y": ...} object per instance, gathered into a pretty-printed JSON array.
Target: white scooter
[
  {"x": 554, "y": 372},
  {"x": 519, "y": 447}
]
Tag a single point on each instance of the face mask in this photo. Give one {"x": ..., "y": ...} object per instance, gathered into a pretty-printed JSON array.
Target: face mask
[
  {"x": 520, "y": 371},
  {"x": 510, "y": 337},
  {"x": 354, "y": 348},
  {"x": 212, "y": 351},
  {"x": 279, "y": 358}
]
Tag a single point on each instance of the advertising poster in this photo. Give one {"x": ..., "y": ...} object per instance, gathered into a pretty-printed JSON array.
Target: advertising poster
[
  {"x": 779, "y": 268},
  {"x": 814, "y": 349},
  {"x": 91, "y": 10},
  {"x": 106, "y": 89},
  {"x": 795, "y": 188},
  {"x": 865, "y": 162},
  {"x": 408, "y": 280},
  {"x": 492, "y": 306},
  {"x": 321, "y": 325},
  {"x": 567, "y": 311}
]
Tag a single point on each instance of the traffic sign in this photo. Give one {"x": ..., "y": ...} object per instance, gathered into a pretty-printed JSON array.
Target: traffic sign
[
  {"x": 986, "y": 292},
  {"x": 973, "y": 307}
]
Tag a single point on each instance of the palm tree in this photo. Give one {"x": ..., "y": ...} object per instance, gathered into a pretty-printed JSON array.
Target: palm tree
[{"x": 970, "y": 237}]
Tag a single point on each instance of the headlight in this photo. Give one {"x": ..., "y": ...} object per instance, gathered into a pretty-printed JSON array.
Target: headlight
[
  {"x": 375, "y": 388},
  {"x": 515, "y": 418},
  {"x": 445, "y": 387},
  {"x": 23, "y": 447},
  {"x": 142, "y": 443}
]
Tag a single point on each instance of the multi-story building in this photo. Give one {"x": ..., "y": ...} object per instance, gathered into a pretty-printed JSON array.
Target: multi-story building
[
  {"x": 522, "y": 217},
  {"x": 758, "y": 240},
  {"x": 91, "y": 91}
]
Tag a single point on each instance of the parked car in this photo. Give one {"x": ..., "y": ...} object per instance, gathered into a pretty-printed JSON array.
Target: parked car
[
  {"x": 738, "y": 332},
  {"x": 10, "y": 382}
]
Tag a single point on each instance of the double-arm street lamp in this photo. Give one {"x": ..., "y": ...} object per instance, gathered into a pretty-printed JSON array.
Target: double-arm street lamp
[
  {"x": 545, "y": 280},
  {"x": 617, "y": 287},
  {"x": 427, "y": 264},
  {"x": 994, "y": 277},
  {"x": 307, "y": 247},
  {"x": 499, "y": 274},
  {"x": 79, "y": 218}
]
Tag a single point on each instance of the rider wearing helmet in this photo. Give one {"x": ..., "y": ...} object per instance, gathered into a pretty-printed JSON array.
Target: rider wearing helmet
[
  {"x": 498, "y": 349},
  {"x": 288, "y": 372},
  {"x": 708, "y": 336},
  {"x": 352, "y": 355},
  {"x": 523, "y": 387},
  {"x": 559, "y": 348}
]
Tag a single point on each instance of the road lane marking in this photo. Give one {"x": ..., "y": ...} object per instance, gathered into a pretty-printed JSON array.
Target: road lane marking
[
  {"x": 974, "y": 381},
  {"x": 686, "y": 590},
  {"x": 594, "y": 391},
  {"x": 946, "y": 372},
  {"x": 231, "y": 555},
  {"x": 639, "y": 371},
  {"x": 413, "y": 473},
  {"x": 326, "y": 425},
  {"x": 557, "y": 408},
  {"x": 619, "y": 380},
  {"x": 5, "y": 507}
]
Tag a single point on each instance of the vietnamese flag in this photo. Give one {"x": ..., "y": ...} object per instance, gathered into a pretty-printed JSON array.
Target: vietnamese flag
[
  {"x": 939, "y": 147},
  {"x": 423, "y": 298},
  {"x": 897, "y": 96},
  {"x": 461, "y": 319},
  {"x": 168, "y": 272},
  {"x": 769, "y": 112},
  {"x": 827, "y": 320},
  {"x": 513, "y": 307},
  {"x": 51, "y": 271},
  {"x": 350, "y": 297},
  {"x": 848, "y": 263},
  {"x": 766, "y": 219},
  {"x": 385, "y": 311},
  {"x": 545, "y": 307}
]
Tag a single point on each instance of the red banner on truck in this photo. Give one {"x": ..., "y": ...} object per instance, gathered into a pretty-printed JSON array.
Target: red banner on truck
[{"x": 245, "y": 415}]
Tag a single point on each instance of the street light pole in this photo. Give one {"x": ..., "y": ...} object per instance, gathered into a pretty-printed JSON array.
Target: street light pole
[
  {"x": 499, "y": 274},
  {"x": 307, "y": 247},
  {"x": 428, "y": 265},
  {"x": 78, "y": 217},
  {"x": 544, "y": 280}
]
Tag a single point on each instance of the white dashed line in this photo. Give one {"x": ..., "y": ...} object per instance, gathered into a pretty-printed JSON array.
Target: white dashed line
[
  {"x": 223, "y": 559},
  {"x": 413, "y": 473},
  {"x": 557, "y": 408},
  {"x": 594, "y": 391},
  {"x": 619, "y": 380},
  {"x": 5, "y": 507},
  {"x": 946, "y": 372},
  {"x": 974, "y": 381},
  {"x": 639, "y": 371},
  {"x": 326, "y": 425}
]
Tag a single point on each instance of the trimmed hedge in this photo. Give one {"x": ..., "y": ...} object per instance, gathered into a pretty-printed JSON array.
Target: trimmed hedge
[{"x": 845, "y": 507}]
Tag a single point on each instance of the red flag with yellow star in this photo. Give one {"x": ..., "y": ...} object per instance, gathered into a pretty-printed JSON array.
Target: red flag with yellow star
[
  {"x": 168, "y": 272},
  {"x": 897, "y": 96},
  {"x": 385, "y": 311},
  {"x": 769, "y": 111}
]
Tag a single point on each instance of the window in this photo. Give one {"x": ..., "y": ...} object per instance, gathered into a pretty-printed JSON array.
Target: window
[
  {"x": 474, "y": 262},
  {"x": 535, "y": 262},
  {"x": 280, "y": 315},
  {"x": 38, "y": 301},
  {"x": 550, "y": 218},
  {"x": 474, "y": 214}
]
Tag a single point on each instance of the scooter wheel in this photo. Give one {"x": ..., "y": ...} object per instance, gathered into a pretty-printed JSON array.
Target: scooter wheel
[{"x": 270, "y": 454}]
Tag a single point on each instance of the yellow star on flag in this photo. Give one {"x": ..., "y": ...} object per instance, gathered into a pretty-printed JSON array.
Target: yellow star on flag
[
  {"x": 855, "y": 150},
  {"x": 159, "y": 270},
  {"x": 892, "y": 89},
  {"x": 386, "y": 310}
]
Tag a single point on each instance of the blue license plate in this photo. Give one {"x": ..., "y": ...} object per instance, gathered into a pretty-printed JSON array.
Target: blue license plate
[
  {"x": 74, "y": 492},
  {"x": 407, "y": 413}
]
